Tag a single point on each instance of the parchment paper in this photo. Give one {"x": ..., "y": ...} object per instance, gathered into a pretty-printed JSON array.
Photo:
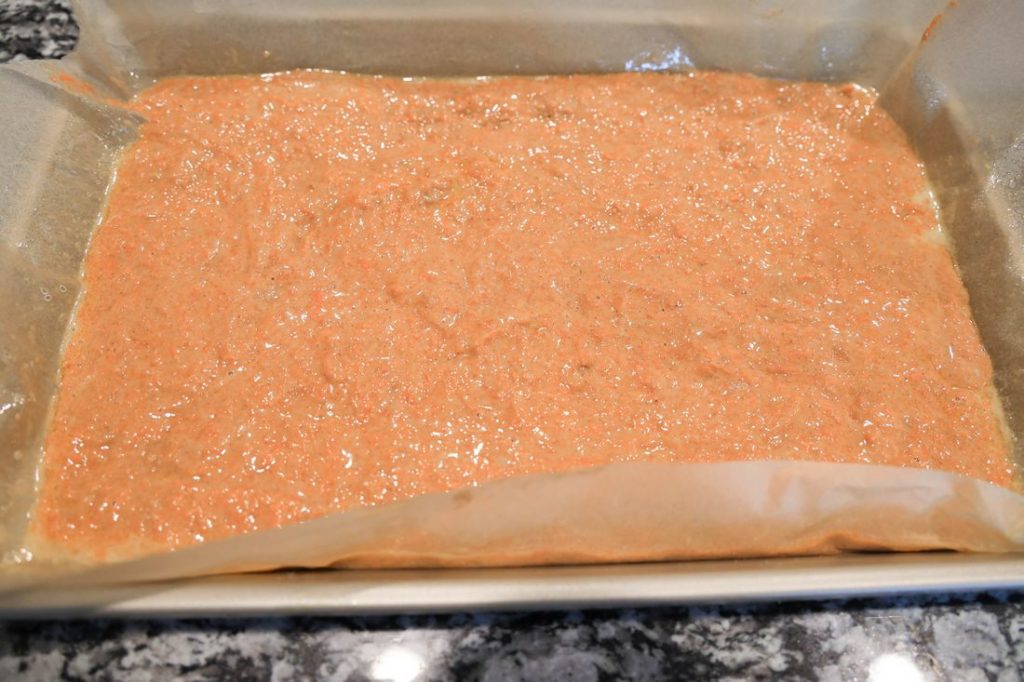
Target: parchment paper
[{"x": 959, "y": 95}]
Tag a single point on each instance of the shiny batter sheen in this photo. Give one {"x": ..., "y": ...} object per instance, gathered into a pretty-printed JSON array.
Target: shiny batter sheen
[{"x": 314, "y": 291}]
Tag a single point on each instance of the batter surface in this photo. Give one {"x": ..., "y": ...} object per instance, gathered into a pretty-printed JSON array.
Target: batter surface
[{"x": 314, "y": 291}]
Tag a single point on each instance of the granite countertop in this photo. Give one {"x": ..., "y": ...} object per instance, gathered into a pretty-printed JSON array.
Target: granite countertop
[
  {"x": 897, "y": 640},
  {"x": 942, "y": 637},
  {"x": 36, "y": 29}
]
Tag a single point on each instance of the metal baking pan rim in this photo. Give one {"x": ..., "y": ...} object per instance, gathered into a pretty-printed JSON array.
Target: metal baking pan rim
[{"x": 363, "y": 592}]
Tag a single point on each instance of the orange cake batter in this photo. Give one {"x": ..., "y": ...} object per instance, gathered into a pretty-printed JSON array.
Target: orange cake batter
[{"x": 314, "y": 291}]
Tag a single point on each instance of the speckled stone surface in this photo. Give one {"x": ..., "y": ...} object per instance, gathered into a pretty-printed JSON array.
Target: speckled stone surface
[
  {"x": 934, "y": 638},
  {"x": 34, "y": 29},
  {"x": 948, "y": 637}
]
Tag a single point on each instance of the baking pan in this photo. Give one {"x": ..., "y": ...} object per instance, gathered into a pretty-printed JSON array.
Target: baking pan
[{"x": 960, "y": 97}]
